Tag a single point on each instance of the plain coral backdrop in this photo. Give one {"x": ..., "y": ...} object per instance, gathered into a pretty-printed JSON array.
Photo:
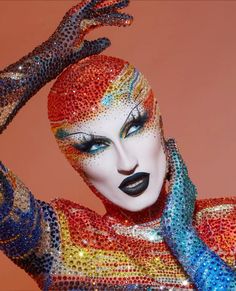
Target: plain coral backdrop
[{"x": 187, "y": 51}]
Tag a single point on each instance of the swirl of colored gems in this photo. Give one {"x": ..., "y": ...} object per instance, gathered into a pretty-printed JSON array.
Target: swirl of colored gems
[
  {"x": 206, "y": 269},
  {"x": 20, "y": 81}
]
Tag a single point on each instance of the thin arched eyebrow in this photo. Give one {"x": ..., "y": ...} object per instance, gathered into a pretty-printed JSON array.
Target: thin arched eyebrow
[
  {"x": 62, "y": 134},
  {"x": 65, "y": 134},
  {"x": 140, "y": 92},
  {"x": 124, "y": 124}
]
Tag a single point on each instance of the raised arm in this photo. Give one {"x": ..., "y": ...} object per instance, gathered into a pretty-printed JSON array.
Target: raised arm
[
  {"x": 20, "y": 81},
  {"x": 28, "y": 227},
  {"x": 205, "y": 268},
  {"x": 19, "y": 216},
  {"x": 29, "y": 232}
]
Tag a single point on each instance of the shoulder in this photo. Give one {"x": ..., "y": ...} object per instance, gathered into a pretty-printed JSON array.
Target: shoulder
[
  {"x": 215, "y": 221},
  {"x": 75, "y": 221},
  {"x": 79, "y": 225},
  {"x": 69, "y": 210},
  {"x": 214, "y": 203},
  {"x": 216, "y": 213}
]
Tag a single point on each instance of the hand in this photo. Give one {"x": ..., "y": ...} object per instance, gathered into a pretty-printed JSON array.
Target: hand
[
  {"x": 182, "y": 194},
  {"x": 68, "y": 39},
  {"x": 204, "y": 267}
]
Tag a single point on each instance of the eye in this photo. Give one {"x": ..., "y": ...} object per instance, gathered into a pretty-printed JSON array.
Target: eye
[
  {"x": 96, "y": 147},
  {"x": 133, "y": 129},
  {"x": 92, "y": 146},
  {"x": 135, "y": 125}
]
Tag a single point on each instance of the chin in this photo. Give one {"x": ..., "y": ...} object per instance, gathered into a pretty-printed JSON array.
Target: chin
[{"x": 140, "y": 203}]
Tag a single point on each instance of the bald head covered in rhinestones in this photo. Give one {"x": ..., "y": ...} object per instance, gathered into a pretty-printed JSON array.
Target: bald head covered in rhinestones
[{"x": 107, "y": 123}]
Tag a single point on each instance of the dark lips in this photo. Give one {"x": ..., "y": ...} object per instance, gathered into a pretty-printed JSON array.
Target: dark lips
[{"x": 135, "y": 184}]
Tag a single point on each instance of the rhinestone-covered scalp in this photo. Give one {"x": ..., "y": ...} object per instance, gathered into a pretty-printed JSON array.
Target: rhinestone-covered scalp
[
  {"x": 77, "y": 94},
  {"x": 91, "y": 88}
]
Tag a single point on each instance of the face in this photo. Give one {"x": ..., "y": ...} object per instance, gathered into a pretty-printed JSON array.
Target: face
[{"x": 120, "y": 150}]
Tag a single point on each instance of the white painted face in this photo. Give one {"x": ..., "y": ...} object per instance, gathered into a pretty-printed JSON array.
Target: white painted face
[{"x": 121, "y": 153}]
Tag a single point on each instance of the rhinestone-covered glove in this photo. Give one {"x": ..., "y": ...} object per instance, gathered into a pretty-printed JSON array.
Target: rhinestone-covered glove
[
  {"x": 21, "y": 80},
  {"x": 205, "y": 268}
]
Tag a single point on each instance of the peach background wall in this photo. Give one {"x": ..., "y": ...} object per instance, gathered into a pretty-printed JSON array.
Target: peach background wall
[{"x": 187, "y": 49}]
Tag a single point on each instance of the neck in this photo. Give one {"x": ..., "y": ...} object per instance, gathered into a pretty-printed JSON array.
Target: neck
[{"x": 127, "y": 217}]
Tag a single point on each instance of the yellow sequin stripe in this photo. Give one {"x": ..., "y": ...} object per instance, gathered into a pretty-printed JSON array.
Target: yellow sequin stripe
[
  {"x": 98, "y": 263},
  {"x": 217, "y": 211},
  {"x": 128, "y": 83},
  {"x": 92, "y": 262}
]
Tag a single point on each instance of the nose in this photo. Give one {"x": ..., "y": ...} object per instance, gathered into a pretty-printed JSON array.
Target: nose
[{"x": 126, "y": 162}]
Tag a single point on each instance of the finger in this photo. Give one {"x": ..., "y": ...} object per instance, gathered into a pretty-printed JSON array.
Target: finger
[
  {"x": 183, "y": 192},
  {"x": 90, "y": 48},
  {"x": 88, "y": 4},
  {"x": 110, "y": 6},
  {"x": 96, "y": 46},
  {"x": 177, "y": 165},
  {"x": 83, "y": 7},
  {"x": 116, "y": 19}
]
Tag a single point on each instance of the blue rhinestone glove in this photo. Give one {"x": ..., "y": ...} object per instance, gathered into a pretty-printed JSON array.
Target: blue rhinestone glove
[{"x": 205, "y": 268}]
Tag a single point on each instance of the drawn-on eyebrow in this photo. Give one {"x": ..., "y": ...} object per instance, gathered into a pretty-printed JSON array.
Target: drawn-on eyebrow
[
  {"x": 67, "y": 134},
  {"x": 62, "y": 134},
  {"x": 140, "y": 92},
  {"x": 122, "y": 127}
]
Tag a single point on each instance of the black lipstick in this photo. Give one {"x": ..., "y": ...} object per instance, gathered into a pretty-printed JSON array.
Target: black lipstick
[{"x": 136, "y": 184}]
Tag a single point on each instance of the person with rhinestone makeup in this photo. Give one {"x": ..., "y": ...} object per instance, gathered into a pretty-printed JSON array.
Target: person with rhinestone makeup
[{"x": 106, "y": 120}]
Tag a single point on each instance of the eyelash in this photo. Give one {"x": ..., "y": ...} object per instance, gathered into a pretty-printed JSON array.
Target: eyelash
[
  {"x": 139, "y": 121},
  {"x": 85, "y": 147}
]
